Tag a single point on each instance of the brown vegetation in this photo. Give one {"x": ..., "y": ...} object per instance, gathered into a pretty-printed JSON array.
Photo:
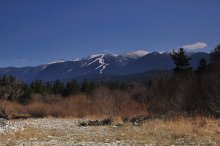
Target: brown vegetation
[{"x": 102, "y": 103}]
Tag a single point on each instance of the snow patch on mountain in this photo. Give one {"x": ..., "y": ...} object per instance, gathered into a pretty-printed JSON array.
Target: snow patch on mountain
[
  {"x": 161, "y": 52},
  {"x": 101, "y": 61},
  {"x": 76, "y": 59},
  {"x": 103, "y": 67},
  {"x": 94, "y": 55},
  {"x": 58, "y": 61},
  {"x": 69, "y": 70},
  {"x": 136, "y": 54}
]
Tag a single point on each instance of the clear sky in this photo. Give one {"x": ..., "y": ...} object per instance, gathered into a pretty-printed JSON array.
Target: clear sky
[{"x": 34, "y": 32}]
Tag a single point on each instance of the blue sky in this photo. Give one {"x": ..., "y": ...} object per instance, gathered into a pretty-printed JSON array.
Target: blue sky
[{"x": 34, "y": 32}]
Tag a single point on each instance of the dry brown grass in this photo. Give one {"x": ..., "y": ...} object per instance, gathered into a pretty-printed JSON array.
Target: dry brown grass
[
  {"x": 13, "y": 108},
  {"x": 102, "y": 103},
  {"x": 29, "y": 133},
  {"x": 118, "y": 103},
  {"x": 75, "y": 106},
  {"x": 83, "y": 106},
  {"x": 180, "y": 131}
]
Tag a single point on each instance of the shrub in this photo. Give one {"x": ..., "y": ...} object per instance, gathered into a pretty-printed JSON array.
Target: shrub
[{"x": 37, "y": 110}]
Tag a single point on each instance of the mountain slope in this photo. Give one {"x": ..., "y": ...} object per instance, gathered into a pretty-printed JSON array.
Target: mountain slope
[{"x": 99, "y": 66}]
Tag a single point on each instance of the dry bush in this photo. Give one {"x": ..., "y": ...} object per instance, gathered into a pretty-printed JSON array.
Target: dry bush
[
  {"x": 76, "y": 106},
  {"x": 211, "y": 93},
  {"x": 37, "y": 97},
  {"x": 103, "y": 103},
  {"x": 130, "y": 107},
  {"x": 160, "y": 96},
  {"x": 73, "y": 106},
  {"x": 52, "y": 98},
  {"x": 13, "y": 108},
  {"x": 119, "y": 103},
  {"x": 38, "y": 110},
  {"x": 47, "y": 98},
  {"x": 105, "y": 100}
]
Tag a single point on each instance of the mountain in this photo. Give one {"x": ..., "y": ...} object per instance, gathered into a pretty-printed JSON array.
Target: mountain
[
  {"x": 100, "y": 66},
  {"x": 136, "y": 54}
]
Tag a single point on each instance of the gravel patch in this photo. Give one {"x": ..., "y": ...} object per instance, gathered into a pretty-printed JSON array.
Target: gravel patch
[
  {"x": 67, "y": 132},
  {"x": 13, "y": 126}
]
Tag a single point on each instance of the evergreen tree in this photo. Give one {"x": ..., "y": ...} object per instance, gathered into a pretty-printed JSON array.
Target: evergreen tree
[
  {"x": 215, "y": 56},
  {"x": 49, "y": 87},
  {"x": 113, "y": 85},
  {"x": 87, "y": 86},
  {"x": 181, "y": 60},
  {"x": 26, "y": 97},
  {"x": 10, "y": 88},
  {"x": 202, "y": 67},
  {"x": 72, "y": 87},
  {"x": 38, "y": 86},
  {"x": 58, "y": 87}
]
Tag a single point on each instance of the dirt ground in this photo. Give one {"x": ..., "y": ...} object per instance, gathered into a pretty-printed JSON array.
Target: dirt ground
[{"x": 55, "y": 131}]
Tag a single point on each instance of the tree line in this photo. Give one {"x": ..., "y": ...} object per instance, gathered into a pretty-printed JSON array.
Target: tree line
[{"x": 13, "y": 89}]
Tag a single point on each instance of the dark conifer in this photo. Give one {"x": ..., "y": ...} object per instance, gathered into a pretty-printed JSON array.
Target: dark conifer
[{"x": 181, "y": 60}]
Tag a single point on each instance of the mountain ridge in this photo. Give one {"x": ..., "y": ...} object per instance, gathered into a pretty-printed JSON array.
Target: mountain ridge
[{"x": 99, "y": 65}]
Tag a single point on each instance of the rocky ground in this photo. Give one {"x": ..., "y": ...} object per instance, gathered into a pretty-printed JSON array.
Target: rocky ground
[{"x": 50, "y": 131}]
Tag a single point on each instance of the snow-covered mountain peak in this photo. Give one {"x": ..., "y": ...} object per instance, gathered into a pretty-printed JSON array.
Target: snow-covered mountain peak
[
  {"x": 76, "y": 59},
  {"x": 97, "y": 58},
  {"x": 57, "y": 61},
  {"x": 136, "y": 54},
  {"x": 94, "y": 56}
]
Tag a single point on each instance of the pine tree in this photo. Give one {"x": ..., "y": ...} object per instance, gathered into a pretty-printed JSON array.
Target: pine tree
[
  {"x": 72, "y": 87},
  {"x": 49, "y": 87},
  {"x": 26, "y": 97},
  {"x": 181, "y": 60},
  {"x": 38, "y": 86},
  {"x": 202, "y": 67},
  {"x": 10, "y": 88},
  {"x": 215, "y": 56},
  {"x": 58, "y": 87},
  {"x": 87, "y": 86}
]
